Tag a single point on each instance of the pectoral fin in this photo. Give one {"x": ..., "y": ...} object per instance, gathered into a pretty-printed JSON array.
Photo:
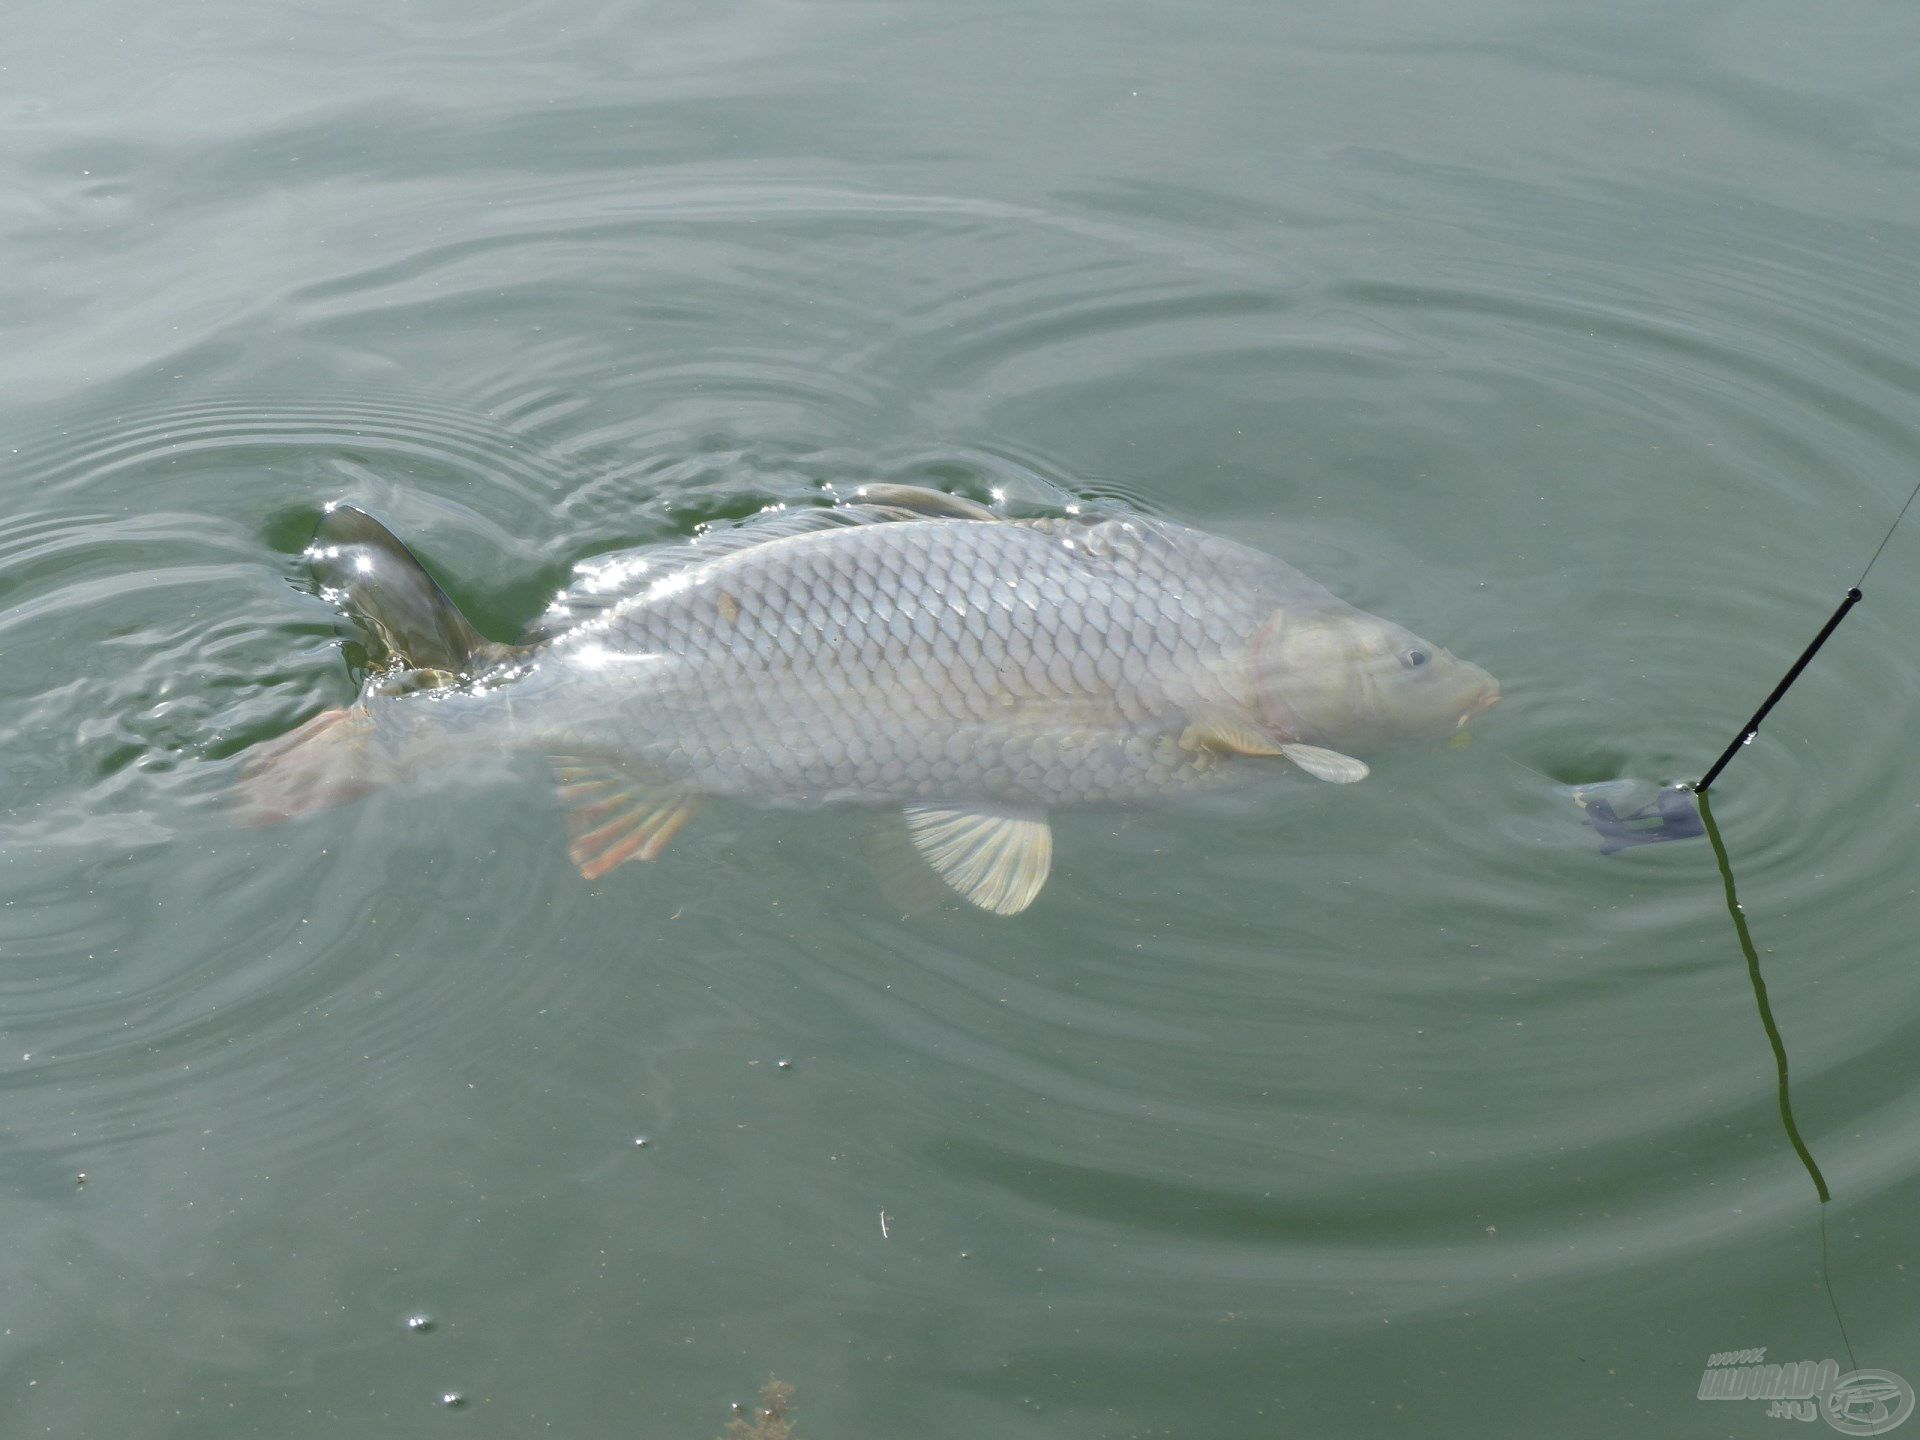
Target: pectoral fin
[
  {"x": 1229, "y": 734},
  {"x": 1328, "y": 765},
  {"x": 614, "y": 816},
  {"x": 997, "y": 858}
]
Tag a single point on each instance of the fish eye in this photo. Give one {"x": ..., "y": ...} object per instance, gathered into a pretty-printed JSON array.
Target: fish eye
[{"x": 1414, "y": 659}]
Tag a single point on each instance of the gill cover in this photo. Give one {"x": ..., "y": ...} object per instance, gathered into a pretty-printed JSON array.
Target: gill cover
[{"x": 1334, "y": 676}]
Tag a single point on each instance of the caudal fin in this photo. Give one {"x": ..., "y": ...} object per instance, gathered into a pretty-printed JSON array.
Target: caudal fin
[
  {"x": 416, "y": 639},
  {"x": 406, "y": 618},
  {"x": 331, "y": 759}
]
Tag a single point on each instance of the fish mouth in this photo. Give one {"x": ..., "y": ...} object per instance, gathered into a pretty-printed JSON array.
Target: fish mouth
[{"x": 1480, "y": 706}]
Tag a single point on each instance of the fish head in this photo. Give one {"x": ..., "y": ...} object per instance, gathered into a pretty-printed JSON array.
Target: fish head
[{"x": 1353, "y": 682}]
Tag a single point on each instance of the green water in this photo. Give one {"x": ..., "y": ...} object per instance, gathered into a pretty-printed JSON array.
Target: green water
[{"x": 1583, "y": 339}]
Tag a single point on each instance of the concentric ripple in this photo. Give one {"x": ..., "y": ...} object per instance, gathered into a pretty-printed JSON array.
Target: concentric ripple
[{"x": 1293, "y": 1056}]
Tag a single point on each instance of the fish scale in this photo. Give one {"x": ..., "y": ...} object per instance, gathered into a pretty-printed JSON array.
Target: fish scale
[{"x": 913, "y": 687}]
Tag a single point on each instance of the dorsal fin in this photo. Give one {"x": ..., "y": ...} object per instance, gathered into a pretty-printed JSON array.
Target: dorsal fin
[
  {"x": 931, "y": 504},
  {"x": 600, "y": 584},
  {"x": 407, "y": 619}
]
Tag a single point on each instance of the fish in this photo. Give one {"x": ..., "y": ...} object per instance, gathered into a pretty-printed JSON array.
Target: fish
[{"x": 907, "y": 651}]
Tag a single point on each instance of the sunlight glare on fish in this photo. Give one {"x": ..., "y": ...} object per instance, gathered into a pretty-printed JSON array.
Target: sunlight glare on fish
[
  {"x": 669, "y": 585},
  {"x": 610, "y": 575},
  {"x": 598, "y": 657}
]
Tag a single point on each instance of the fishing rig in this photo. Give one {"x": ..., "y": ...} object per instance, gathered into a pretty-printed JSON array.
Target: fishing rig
[
  {"x": 1683, "y": 812},
  {"x": 1673, "y": 815}
]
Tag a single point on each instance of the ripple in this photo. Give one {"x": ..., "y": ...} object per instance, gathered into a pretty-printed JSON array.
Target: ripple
[
  {"x": 158, "y": 620},
  {"x": 145, "y": 448},
  {"x": 1166, "y": 1061},
  {"x": 156, "y": 630}
]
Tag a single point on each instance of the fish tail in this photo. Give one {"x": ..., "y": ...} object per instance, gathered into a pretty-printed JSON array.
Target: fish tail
[
  {"x": 415, "y": 638},
  {"x": 335, "y": 757},
  {"x": 406, "y": 621}
]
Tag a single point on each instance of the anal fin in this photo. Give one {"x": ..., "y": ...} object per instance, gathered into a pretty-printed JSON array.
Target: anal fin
[
  {"x": 996, "y": 857},
  {"x": 614, "y": 816}
]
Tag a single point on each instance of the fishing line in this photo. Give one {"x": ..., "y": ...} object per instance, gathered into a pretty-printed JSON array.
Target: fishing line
[
  {"x": 1785, "y": 1095},
  {"x": 1760, "y": 1000},
  {"x": 1826, "y": 1274},
  {"x": 1669, "y": 818},
  {"x": 1889, "y": 535},
  {"x": 1851, "y": 599}
]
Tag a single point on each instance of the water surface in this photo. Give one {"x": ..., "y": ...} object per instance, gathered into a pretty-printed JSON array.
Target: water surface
[{"x": 1581, "y": 340}]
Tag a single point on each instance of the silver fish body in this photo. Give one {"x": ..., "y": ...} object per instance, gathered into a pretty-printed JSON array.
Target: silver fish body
[
  {"x": 932, "y": 656},
  {"x": 922, "y": 660}
]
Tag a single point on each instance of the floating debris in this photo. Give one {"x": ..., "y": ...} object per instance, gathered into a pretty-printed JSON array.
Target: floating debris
[{"x": 771, "y": 1417}]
